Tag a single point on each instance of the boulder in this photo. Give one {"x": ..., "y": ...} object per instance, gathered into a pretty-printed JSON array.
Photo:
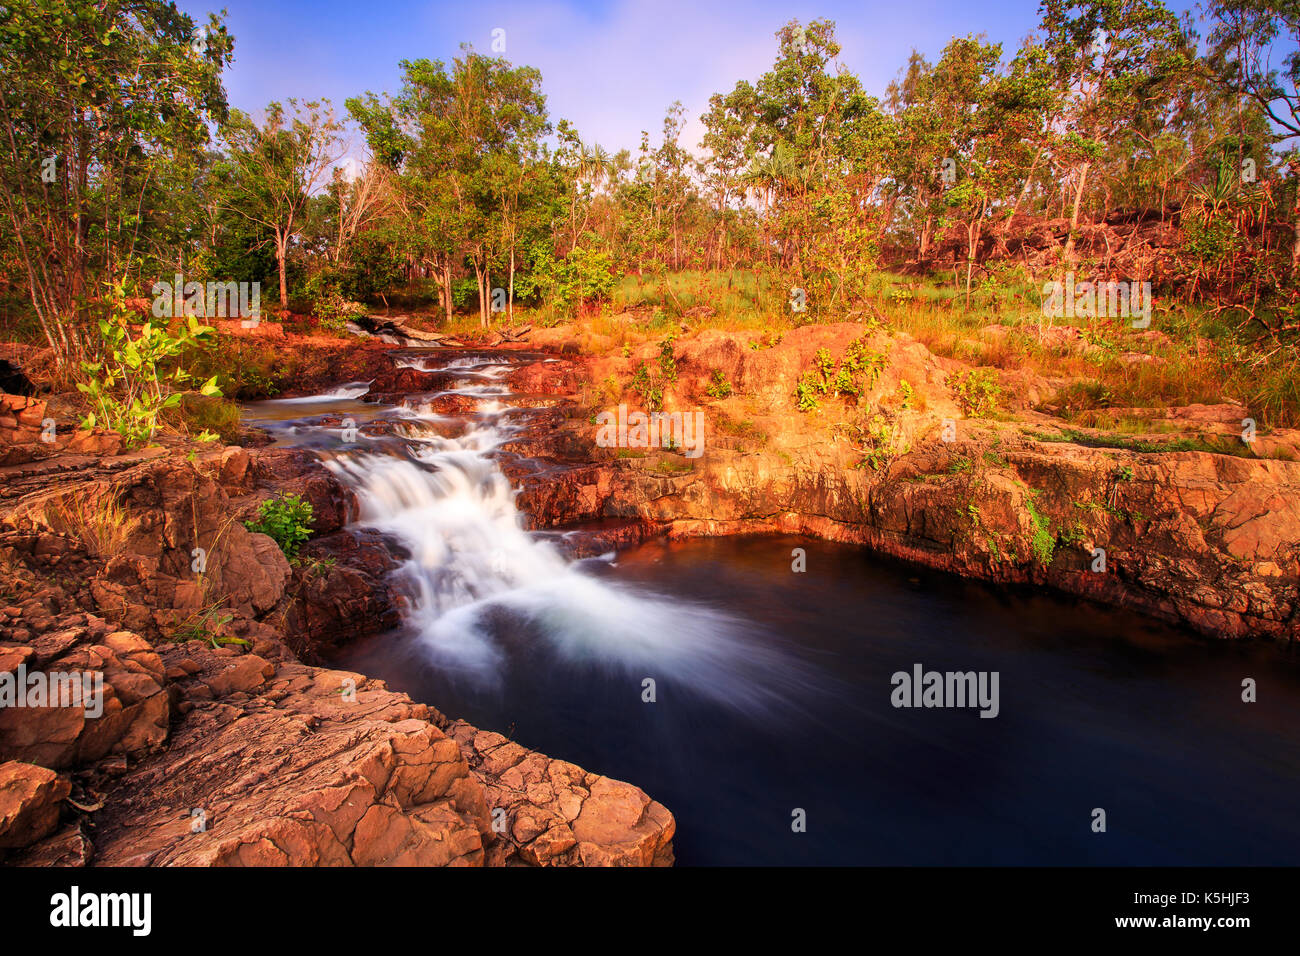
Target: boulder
[{"x": 30, "y": 799}]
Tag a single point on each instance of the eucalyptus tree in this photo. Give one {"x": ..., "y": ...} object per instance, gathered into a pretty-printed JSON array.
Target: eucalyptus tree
[
  {"x": 814, "y": 148},
  {"x": 1109, "y": 59},
  {"x": 97, "y": 99},
  {"x": 463, "y": 142},
  {"x": 919, "y": 150},
  {"x": 278, "y": 166},
  {"x": 963, "y": 87},
  {"x": 728, "y": 123}
]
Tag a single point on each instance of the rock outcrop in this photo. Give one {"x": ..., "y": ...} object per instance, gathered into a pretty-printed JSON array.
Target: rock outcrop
[
  {"x": 30, "y": 798},
  {"x": 553, "y": 813},
  {"x": 284, "y": 764},
  {"x": 250, "y": 754},
  {"x": 1209, "y": 541}
]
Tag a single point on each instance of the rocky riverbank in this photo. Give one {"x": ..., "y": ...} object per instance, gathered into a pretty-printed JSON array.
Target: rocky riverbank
[
  {"x": 244, "y": 747},
  {"x": 227, "y": 750}
]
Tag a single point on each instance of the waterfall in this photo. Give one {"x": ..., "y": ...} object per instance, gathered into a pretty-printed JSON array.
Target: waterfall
[{"x": 476, "y": 580}]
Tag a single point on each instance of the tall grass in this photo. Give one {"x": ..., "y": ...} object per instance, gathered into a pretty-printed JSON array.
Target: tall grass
[{"x": 94, "y": 517}]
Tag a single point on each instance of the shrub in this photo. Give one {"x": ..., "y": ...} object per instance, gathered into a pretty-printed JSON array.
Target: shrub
[
  {"x": 858, "y": 370},
  {"x": 137, "y": 378},
  {"x": 718, "y": 387},
  {"x": 978, "y": 391},
  {"x": 806, "y": 391},
  {"x": 287, "y": 520},
  {"x": 667, "y": 360},
  {"x": 583, "y": 276},
  {"x": 650, "y": 389}
]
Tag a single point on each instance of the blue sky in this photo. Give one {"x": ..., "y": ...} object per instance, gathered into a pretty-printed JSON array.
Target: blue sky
[{"x": 610, "y": 67}]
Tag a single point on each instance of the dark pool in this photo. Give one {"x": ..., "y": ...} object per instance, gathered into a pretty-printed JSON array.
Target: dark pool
[{"x": 1097, "y": 709}]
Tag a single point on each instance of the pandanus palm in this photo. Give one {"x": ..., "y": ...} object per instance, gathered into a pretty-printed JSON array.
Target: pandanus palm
[{"x": 595, "y": 166}]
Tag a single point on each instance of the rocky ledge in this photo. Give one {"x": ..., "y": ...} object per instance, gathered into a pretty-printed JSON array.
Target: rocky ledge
[
  {"x": 235, "y": 749},
  {"x": 1207, "y": 540}
]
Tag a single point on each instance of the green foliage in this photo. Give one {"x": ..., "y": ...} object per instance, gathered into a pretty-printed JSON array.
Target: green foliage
[
  {"x": 718, "y": 386},
  {"x": 582, "y": 277},
  {"x": 137, "y": 377},
  {"x": 667, "y": 360},
  {"x": 880, "y": 441},
  {"x": 328, "y": 292},
  {"x": 287, "y": 520},
  {"x": 106, "y": 110},
  {"x": 648, "y": 387},
  {"x": 856, "y": 372},
  {"x": 806, "y": 391},
  {"x": 905, "y": 394},
  {"x": 334, "y": 312},
  {"x": 209, "y": 626},
  {"x": 1043, "y": 542},
  {"x": 978, "y": 391}
]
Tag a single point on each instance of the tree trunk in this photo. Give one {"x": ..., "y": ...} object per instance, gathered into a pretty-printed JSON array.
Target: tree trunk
[
  {"x": 1294, "y": 166},
  {"x": 446, "y": 287},
  {"x": 511, "y": 299},
  {"x": 1024, "y": 190},
  {"x": 1074, "y": 214},
  {"x": 279, "y": 258},
  {"x": 972, "y": 243}
]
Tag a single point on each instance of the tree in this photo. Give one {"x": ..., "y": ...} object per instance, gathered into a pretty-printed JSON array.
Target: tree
[
  {"x": 96, "y": 99},
  {"x": 1107, "y": 57},
  {"x": 278, "y": 166},
  {"x": 1243, "y": 38},
  {"x": 464, "y": 143}
]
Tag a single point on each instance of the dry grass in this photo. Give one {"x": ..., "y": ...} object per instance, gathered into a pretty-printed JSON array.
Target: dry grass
[{"x": 93, "y": 516}]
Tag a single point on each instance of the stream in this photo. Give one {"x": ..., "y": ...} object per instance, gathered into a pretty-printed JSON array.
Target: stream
[{"x": 759, "y": 704}]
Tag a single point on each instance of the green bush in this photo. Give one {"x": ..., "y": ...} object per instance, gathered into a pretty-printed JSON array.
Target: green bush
[
  {"x": 137, "y": 378},
  {"x": 287, "y": 520},
  {"x": 856, "y": 372},
  {"x": 649, "y": 388},
  {"x": 978, "y": 391},
  {"x": 667, "y": 360},
  {"x": 719, "y": 387},
  {"x": 583, "y": 276}
]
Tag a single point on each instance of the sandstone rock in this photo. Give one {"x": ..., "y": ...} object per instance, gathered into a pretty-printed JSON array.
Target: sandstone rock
[
  {"x": 68, "y": 847},
  {"x": 30, "y": 797},
  {"x": 299, "y": 773},
  {"x": 557, "y": 814},
  {"x": 135, "y": 708}
]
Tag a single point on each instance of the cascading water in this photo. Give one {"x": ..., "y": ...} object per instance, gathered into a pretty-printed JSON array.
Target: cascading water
[
  {"x": 504, "y": 631},
  {"x": 477, "y": 580}
]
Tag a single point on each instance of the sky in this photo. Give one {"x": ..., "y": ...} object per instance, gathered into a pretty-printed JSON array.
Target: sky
[{"x": 611, "y": 68}]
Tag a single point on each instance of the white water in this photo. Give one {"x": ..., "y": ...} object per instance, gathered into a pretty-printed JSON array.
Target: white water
[
  {"x": 473, "y": 566},
  {"x": 350, "y": 390}
]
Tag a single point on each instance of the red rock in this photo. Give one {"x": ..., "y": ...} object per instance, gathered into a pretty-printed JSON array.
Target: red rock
[{"x": 30, "y": 798}]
